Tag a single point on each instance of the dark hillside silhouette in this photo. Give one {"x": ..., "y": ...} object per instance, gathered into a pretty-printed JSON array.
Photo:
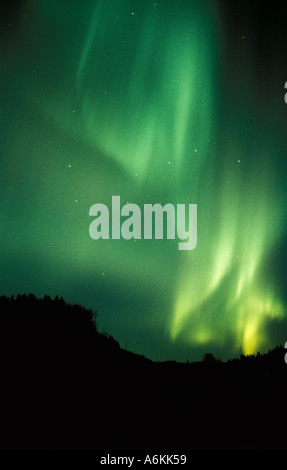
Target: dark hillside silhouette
[{"x": 65, "y": 385}]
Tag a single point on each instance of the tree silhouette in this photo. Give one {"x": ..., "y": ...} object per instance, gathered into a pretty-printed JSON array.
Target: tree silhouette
[{"x": 209, "y": 358}]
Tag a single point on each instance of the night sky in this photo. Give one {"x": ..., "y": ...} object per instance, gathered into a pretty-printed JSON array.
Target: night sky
[{"x": 157, "y": 101}]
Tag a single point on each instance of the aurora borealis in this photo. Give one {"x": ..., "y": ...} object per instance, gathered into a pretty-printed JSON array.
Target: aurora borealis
[{"x": 167, "y": 101}]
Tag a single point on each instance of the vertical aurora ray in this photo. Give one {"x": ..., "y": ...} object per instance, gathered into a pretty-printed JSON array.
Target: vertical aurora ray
[
  {"x": 143, "y": 114},
  {"x": 227, "y": 282},
  {"x": 135, "y": 98}
]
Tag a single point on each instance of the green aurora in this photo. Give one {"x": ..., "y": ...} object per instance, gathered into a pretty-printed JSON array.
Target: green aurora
[{"x": 155, "y": 101}]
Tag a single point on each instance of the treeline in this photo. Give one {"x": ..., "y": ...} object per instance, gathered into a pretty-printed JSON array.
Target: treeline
[
  {"x": 26, "y": 318},
  {"x": 274, "y": 357},
  {"x": 51, "y": 319}
]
